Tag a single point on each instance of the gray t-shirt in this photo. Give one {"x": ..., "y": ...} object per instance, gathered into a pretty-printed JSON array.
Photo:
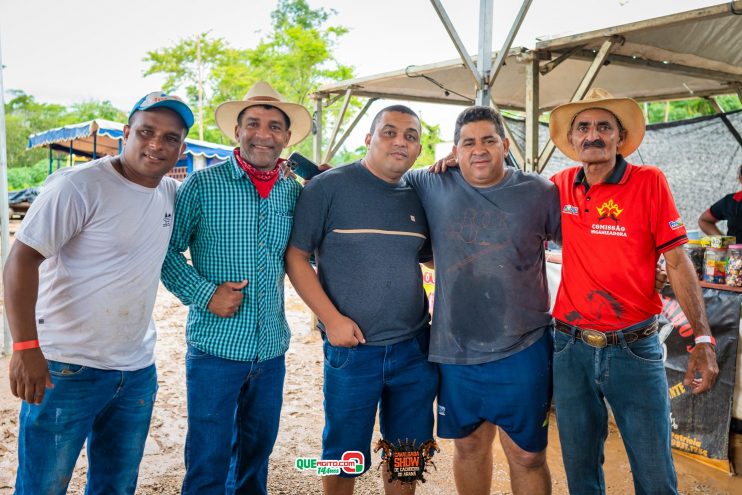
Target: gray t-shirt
[
  {"x": 368, "y": 236},
  {"x": 491, "y": 294}
]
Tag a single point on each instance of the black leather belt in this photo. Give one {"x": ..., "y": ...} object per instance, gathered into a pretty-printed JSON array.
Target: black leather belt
[{"x": 598, "y": 339}]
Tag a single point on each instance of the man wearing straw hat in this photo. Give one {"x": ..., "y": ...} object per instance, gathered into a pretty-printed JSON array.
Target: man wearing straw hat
[
  {"x": 617, "y": 219},
  {"x": 236, "y": 217}
]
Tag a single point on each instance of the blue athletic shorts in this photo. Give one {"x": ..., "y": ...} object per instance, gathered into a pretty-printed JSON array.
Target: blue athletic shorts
[
  {"x": 513, "y": 393},
  {"x": 397, "y": 378}
]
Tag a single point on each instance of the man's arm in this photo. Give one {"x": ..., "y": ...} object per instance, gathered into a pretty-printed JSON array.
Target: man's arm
[
  {"x": 341, "y": 330},
  {"x": 707, "y": 224},
  {"x": 182, "y": 279},
  {"x": 29, "y": 373},
  {"x": 684, "y": 283}
]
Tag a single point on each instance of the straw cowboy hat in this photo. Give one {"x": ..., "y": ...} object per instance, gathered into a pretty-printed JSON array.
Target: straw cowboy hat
[
  {"x": 626, "y": 110},
  {"x": 262, "y": 93}
]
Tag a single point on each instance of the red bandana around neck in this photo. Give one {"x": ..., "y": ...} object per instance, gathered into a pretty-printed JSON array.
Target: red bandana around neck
[{"x": 263, "y": 181}]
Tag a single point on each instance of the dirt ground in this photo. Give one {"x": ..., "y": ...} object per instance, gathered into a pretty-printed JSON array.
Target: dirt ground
[{"x": 301, "y": 427}]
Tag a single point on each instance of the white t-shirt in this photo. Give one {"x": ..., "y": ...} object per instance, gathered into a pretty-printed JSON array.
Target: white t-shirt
[{"x": 104, "y": 239}]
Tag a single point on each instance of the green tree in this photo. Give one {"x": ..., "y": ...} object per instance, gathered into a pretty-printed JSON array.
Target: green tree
[
  {"x": 190, "y": 65},
  {"x": 430, "y": 138},
  {"x": 671, "y": 111},
  {"x": 295, "y": 56},
  {"x": 92, "y": 109},
  {"x": 25, "y": 177},
  {"x": 25, "y": 116}
]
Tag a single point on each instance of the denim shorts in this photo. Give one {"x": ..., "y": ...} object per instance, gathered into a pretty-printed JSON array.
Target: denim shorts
[
  {"x": 513, "y": 393},
  {"x": 397, "y": 379}
]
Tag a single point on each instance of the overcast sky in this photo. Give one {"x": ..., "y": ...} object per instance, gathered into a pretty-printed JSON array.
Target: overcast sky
[{"x": 65, "y": 51}]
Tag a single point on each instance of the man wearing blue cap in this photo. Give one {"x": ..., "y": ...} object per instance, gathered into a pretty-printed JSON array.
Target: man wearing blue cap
[{"x": 80, "y": 286}]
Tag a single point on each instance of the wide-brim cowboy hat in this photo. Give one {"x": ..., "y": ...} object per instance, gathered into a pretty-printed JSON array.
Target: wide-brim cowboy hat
[
  {"x": 262, "y": 93},
  {"x": 626, "y": 110}
]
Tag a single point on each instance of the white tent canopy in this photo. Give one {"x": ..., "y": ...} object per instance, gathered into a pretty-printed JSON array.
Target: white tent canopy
[{"x": 688, "y": 54}]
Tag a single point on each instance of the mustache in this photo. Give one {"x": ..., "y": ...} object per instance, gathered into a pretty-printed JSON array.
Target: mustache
[{"x": 598, "y": 143}]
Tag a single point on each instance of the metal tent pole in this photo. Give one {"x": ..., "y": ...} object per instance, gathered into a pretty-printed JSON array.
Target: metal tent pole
[
  {"x": 484, "y": 54},
  {"x": 5, "y": 242},
  {"x": 317, "y": 149}
]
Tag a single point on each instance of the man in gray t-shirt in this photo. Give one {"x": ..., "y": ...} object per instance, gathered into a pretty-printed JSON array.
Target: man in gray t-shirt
[
  {"x": 368, "y": 231},
  {"x": 491, "y": 291},
  {"x": 488, "y": 227}
]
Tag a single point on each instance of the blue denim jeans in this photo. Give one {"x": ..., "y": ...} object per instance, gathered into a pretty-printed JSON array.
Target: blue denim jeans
[
  {"x": 397, "y": 380},
  {"x": 631, "y": 377},
  {"x": 233, "y": 413},
  {"x": 111, "y": 409}
]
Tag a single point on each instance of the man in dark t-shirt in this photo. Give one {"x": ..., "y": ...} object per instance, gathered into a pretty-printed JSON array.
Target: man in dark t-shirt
[
  {"x": 728, "y": 208},
  {"x": 369, "y": 232}
]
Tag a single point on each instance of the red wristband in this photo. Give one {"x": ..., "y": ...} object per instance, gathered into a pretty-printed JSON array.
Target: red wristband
[{"x": 26, "y": 344}]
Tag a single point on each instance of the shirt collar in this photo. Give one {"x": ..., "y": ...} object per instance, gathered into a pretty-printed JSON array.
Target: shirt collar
[{"x": 616, "y": 177}]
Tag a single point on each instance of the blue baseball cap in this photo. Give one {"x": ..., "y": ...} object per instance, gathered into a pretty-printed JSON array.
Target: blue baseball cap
[{"x": 158, "y": 99}]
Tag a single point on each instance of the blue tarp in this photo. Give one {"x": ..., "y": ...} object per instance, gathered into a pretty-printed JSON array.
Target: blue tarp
[
  {"x": 72, "y": 132},
  {"x": 60, "y": 138},
  {"x": 208, "y": 150},
  {"x": 24, "y": 195}
]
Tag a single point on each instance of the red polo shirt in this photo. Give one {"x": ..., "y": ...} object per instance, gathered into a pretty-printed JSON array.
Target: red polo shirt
[{"x": 613, "y": 234}]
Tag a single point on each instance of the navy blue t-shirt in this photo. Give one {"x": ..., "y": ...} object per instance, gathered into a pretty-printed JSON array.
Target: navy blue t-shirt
[
  {"x": 368, "y": 237},
  {"x": 491, "y": 293},
  {"x": 729, "y": 208}
]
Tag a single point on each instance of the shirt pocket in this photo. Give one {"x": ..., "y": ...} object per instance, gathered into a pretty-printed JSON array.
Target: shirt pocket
[{"x": 279, "y": 231}]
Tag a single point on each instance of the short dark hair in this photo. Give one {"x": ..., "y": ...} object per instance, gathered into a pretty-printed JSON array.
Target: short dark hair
[
  {"x": 739, "y": 171},
  {"x": 392, "y": 108},
  {"x": 478, "y": 114},
  {"x": 286, "y": 118}
]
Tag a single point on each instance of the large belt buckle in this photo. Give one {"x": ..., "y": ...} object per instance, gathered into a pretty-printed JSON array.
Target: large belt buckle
[{"x": 594, "y": 338}]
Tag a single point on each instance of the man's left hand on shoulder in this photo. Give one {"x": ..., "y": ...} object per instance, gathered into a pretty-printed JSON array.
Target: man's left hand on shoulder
[
  {"x": 287, "y": 172},
  {"x": 443, "y": 164},
  {"x": 701, "y": 362}
]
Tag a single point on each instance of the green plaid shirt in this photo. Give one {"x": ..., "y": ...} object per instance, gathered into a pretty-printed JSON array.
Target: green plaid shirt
[{"x": 232, "y": 235}]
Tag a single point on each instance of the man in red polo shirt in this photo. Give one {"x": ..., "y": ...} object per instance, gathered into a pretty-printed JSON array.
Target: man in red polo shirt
[{"x": 617, "y": 218}]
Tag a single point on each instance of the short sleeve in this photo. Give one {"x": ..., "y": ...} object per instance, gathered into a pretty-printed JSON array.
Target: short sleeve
[
  {"x": 416, "y": 180},
  {"x": 553, "y": 214},
  {"x": 666, "y": 225},
  {"x": 310, "y": 218},
  {"x": 55, "y": 217},
  {"x": 718, "y": 210}
]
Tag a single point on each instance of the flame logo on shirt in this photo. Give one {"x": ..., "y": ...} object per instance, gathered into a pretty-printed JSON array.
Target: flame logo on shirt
[{"x": 609, "y": 210}]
